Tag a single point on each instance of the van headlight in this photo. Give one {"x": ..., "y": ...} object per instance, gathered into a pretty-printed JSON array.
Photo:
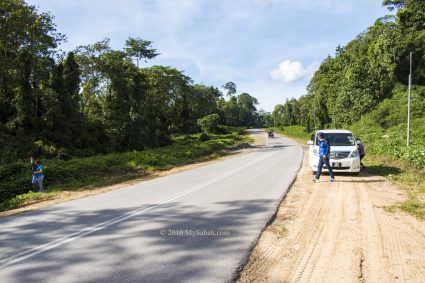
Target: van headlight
[{"x": 354, "y": 153}]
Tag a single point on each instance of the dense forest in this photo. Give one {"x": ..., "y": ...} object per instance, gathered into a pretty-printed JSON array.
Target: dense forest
[
  {"x": 96, "y": 99},
  {"x": 363, "y": 87},
  {"x": 364, "y": 72}
]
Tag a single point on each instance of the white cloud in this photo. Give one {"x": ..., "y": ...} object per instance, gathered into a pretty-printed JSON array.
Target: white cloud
[
  {"x": 218, "y": 41},
  {"x": 288, "y": 71}
]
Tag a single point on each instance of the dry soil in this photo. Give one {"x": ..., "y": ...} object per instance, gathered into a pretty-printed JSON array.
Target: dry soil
[{"x": 347, "y": 231}]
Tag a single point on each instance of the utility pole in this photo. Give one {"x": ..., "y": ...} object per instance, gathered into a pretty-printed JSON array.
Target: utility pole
[{"x": 408, "y": 101}]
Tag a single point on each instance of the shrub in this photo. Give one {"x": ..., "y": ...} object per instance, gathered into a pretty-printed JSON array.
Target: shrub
[
  {"x": 204, "y": 137},
  {"x": 80, "y": 172},
  {"x": 209, "y": 124}
]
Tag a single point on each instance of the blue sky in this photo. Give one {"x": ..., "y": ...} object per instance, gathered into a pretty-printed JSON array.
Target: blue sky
[{"x": 269, "y": 48}]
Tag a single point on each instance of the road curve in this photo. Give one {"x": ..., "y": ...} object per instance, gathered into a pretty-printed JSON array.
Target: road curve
[{"x": 196, "y": 225}]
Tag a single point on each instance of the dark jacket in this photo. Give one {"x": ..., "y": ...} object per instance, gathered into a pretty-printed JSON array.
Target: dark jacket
[
  {"x": 360, "y": 148},
  {"x": 324, "y": 148}
]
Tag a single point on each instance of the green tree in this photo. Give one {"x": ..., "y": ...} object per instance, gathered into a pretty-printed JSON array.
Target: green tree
[
  {"x": 117, "y": 70},
  {"x": 209, "y": 124},
  {"x": 247, "y": 109},
  {"x": 231, "y": 112},
  {"x": 393, "y": 4},
  {"x": 202, "y": 101},
  {"x": 27, "y": 42},
  {"x": 263, "y": 119},
  {"x": 96, "y": 99},
  {"x": 72, "y": 80},
  {"x": 139, "y": 49},
  {"x": 137, "y": 118},
  {"x": 277, "y": 115},
  {"x": 167, "y": 103},
  {"x": 93, "y": 81},
  {"x": 230, "y": 88},
  {"x": 364, "y": 72}
]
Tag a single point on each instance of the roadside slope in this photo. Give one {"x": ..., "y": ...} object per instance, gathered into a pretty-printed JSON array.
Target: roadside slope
[
  {"x": 341, "y": 232},
  {"x": 132, "y": 168}
]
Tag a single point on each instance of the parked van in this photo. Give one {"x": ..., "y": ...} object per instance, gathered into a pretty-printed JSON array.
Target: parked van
[{"x": 344, "y": 156}]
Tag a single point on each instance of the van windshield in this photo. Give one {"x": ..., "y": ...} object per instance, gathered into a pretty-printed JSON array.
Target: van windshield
[{"x": 339, "y": 139}]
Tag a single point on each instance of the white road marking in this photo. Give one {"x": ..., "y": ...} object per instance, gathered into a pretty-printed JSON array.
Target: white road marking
[{"x": 74, "y": 236}]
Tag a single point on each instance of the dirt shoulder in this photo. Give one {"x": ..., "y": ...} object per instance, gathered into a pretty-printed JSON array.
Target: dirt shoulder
[{"x": 347, "y": 231}]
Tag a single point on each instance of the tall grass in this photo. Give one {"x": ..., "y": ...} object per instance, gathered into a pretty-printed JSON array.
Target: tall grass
[{"x": 384, "y": 132}]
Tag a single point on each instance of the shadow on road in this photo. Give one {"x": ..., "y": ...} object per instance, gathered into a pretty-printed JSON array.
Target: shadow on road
[
  {"x": 135, "y": 249},
  {"x": 383, "y": 170}
]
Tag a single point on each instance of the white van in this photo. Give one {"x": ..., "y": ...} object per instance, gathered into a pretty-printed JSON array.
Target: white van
[{"x": 344, "y": 156}]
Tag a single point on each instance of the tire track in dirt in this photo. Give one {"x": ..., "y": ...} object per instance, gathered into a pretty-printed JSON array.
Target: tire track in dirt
[
  {"x": 377, "y": 246},
  {"x": 323, "y": 243},
  {"x": 303, "y": 268},
  {"x": 340, "y": 233},
  {"x": 304, "y": 242},
  {"x": 270, "y": 254},
  {"x": 391, "y": 254}
]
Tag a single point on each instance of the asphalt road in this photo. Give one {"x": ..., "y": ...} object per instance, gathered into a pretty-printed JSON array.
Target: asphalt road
[{"x": 196, "y": 225}]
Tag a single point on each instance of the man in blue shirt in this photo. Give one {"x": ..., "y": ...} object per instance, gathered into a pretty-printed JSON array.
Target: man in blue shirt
[
  {"x": 324, "y": 152},
  {"x": 39, "y": 175}
]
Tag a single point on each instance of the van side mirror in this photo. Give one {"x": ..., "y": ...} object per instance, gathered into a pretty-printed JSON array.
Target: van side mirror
[{"x": 310, "y": 142}]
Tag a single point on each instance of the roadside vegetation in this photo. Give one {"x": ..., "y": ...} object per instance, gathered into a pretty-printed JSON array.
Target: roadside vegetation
[
  {"x": 101, "y": 170},
  {"x": 384, "y": 131},
  {"x": 363, "y": 87},
  {"x": 95, "y": 115},
  {"x": 408, "y": 177},
  {"x": 95, "y": 99},
  {"x": 296, "y": 132}
]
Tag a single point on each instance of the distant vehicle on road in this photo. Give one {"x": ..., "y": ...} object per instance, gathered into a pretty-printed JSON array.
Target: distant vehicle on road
[
  {"x": 344, "y": 156},
  {"x": 271, "y": 134}
]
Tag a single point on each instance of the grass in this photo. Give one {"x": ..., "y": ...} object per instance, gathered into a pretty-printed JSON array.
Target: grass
[
  {"x": 297, "y": 133},
  {"x": 103, "y": 170},
  {"x": 283, "y": 231},
  {"x": 408, "y": 177},
  {"x": 27, "y": 199},
  {"x": 384, "y": 132}
]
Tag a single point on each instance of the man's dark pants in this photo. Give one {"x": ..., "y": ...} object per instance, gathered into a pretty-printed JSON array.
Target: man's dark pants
[
  {"x": 325, "y": 161},
  {"x": 361, "y": 157}
]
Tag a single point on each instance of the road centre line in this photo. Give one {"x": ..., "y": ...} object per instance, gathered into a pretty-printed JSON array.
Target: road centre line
[{"x": 74, "y": 236}]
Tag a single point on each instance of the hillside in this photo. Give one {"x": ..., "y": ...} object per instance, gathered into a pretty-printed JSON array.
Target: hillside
[
  {"x": 369, "y": 70},
  {"x": 363, "y": 87},
  {"x": 384, "y": 129}
]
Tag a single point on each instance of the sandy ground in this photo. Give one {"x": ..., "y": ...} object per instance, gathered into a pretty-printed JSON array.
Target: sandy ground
[{"x": 339, "y": 232}]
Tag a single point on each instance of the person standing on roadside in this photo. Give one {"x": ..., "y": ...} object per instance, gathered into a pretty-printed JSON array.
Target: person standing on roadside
[
  {"x": 324, "y": 153},
  {"x": 39, "y": 174},
  {"x": 361, "y": 150},
  {"x": 33, "y": 169}
]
